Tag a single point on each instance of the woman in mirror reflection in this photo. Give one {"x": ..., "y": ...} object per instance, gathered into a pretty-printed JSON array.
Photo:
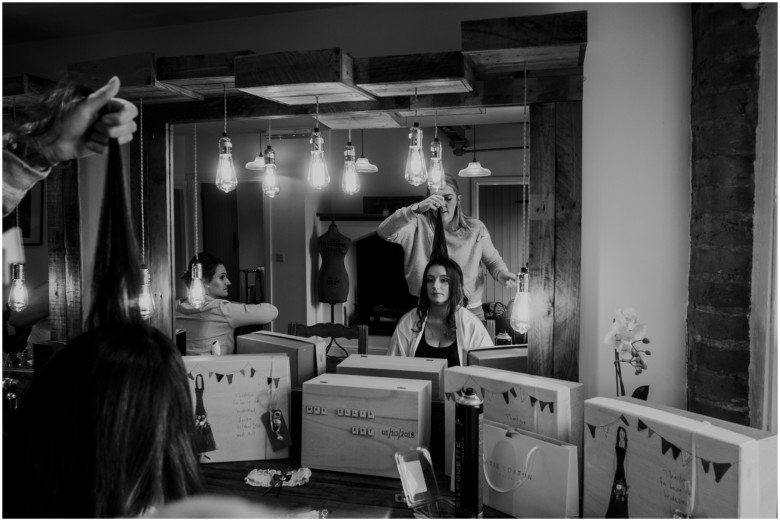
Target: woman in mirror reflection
[
  {"x": 440, "y": 326},
  {"x": 468, "y": 242},
  {"x": 218, "y": 317}
]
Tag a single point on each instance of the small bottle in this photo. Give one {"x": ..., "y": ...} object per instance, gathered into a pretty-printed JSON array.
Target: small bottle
[{"x": 503, "y": 338}]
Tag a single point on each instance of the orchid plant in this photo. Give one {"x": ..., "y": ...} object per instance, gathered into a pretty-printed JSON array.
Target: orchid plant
[{"x": 626, "y": 338}]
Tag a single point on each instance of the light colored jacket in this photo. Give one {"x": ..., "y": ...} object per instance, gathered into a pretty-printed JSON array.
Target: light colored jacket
[
  {"x": 216, "y": 320},
  {"x": 18, "y": 178},
  {"x": 467, "y": 247},
  {"x": 469, "y": 332}
]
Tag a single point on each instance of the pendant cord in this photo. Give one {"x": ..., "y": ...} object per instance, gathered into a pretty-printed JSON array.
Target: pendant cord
[
  {"x": 195, "y": 187},
  {"x": 435, "y": 126},
  {"x": 526, "y": 175},
  {"x": 474, "y": 134},
  {"x": 317, "y": 112},
  {"x": 224, "y": 94},
  {"x": 415, "y": 103},
  {"x": 269, "y": 134},
  {"x": 143, "y": 219},
  {"x": 362, "y": 145}
]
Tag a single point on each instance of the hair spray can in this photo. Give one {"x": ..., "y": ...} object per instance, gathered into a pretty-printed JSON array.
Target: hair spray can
[{"x": 468, "y": 452}]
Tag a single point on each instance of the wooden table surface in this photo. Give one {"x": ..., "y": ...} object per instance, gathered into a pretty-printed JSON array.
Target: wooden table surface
[{"x": 343, "y": 495}]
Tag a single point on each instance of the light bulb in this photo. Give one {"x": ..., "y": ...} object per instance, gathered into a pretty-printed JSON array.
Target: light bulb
[
  {"x": 318, "y": 170},
  {"x": 416, "y": 172},
  {"x": 18, "y": 298},
  {"x": 271, "y": 180},
  {"x": 349, "y": 180},
  {"x": 145, "y": 299},
  {"x": 226, "y": 172},
  {"x": 436, "y": 173},
  {"x": 196, "y": 294},
  {"x": 520, "y": 320}
]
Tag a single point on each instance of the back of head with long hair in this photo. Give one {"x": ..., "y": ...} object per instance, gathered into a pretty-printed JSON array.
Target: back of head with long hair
[
  {"x": 457, "y": 295},
  {"x": 107, "y": 426}
]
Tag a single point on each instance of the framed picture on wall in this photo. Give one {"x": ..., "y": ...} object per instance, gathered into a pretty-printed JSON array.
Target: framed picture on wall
[{"x": 30, "y": 215}]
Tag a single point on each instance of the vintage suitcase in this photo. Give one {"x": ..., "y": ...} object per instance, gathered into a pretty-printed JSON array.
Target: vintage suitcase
[
  {"x": 533, "y": 403},
  {"x": 353, "y": 423},
  {"x": 234, "y": 399},
  {"x": 509, "y": 358},
  {"x": 431, "y": 369},
  {"x": 649, "y": 460},
  {"x": 304, "y": 354}
]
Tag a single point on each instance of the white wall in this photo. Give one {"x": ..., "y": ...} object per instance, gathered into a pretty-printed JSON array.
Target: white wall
[{"x": 636, "y": 148}]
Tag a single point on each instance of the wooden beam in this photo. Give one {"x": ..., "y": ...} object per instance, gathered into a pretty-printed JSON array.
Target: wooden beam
[
  {"x": 568, "y": 232},
  {"x": 137, "y": 75},
  {"x": 205, "y": 74},
  {"x": 64, "y": 244},
  {"x": 542, "y": 240},
  {"x": 526, "y": 42},
  {"x": 430, "y": 73},
  {"x": 299, "y": 77}
]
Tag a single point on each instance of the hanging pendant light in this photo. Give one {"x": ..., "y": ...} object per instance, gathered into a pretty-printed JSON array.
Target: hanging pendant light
[
  {"x": 520, "y": 318},
  {"x": 350, "y": 183},
  {"x": 259, "y": 162},
  {"x": 196, "y": 292},
  {"x": 416, "y": 172},
  {"x": 18, "y": 299},
  {"x": 226, "y": 172},
  {"x": 363, "y": 165},
  {"x": 474, "y": 169},
  {"x": 436, "y": 172},
  {"x": 145, "y": 299},
  {"x": 317, "y": 176},
  {"x": 271, "y": 180}
]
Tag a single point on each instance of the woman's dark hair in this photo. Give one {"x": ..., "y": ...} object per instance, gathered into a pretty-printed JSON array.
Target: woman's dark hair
[
  {"x": 108, "y": 428},
  {"x": 457, "y": 296},
  {"x": 209, "y": 263}
]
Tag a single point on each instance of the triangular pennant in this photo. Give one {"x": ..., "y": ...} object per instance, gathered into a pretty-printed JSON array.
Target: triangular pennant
[
  {"x": 276, "y": 383},
  {"x": 483, "y": 391},
  {"x": 640, "y": 425},
  {"x": 686, "y": 458},
  {"x": 665, "y": 446},
  {"x": 552, "y": 407},
  {"x": 220, "y": 377},
  {"x": 505, "y": 394},
  {"x": 720, "y": 469},
  {"x": 705, "y": 465},
  {"x": 189, "y": 375},
  {"x": 592, "y": 430},
  {"x": 269, "y": 380},
  {"x": 211, "y": 373},
  {"x": 514, "y": 393},
  {"x": 533, "y": 401},
  {"x": 243, "y": 372},
  {"x": 252, "y": 372},
  {"x": 675, "y": 451},
  {"x": 624, "y": 420},
  {"x": 230, "y": 379},
  {"x": 448, "y": 396},
  {"x": 542, "y": 405},
  {"x": 650, "y": 432}
]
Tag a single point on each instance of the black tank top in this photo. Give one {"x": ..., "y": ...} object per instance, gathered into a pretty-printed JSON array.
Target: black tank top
[{"x": 449, "y": 353}]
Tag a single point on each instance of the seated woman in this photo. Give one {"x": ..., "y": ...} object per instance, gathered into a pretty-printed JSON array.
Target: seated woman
[
  {"x": 107, "y": 430},
  {"x": 217, "y": 318},
  {"x": 440, "y": 326}
]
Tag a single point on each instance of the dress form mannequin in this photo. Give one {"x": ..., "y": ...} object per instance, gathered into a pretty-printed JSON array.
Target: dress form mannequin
[{"x": 333, "y": 280}]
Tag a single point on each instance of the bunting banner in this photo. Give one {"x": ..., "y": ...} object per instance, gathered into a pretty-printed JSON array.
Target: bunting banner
[
  {"x": 229, "y": 376},
  {"x": 719, "y": 468},
  {"x": 522, "y": 395}
]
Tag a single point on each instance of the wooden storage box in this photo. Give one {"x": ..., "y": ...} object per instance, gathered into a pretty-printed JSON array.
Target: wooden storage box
[
  {"x": 353, "y": 423},
  {"x": 676, "y": 462},
  {"x": 307, "y": 358},
  {"x": 231, "y": 397},
  {"x": 533, "y": 403},
  {"x": 431, "y": 369},
  {"x": 508, "y": 358}
]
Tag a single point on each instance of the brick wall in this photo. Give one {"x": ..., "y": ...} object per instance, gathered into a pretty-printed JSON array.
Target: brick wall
[{"x": 724, "y": 115}]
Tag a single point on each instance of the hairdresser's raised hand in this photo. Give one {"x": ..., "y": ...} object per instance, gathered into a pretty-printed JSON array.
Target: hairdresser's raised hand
[
  {"x": 508, "y": 279},
  {"x": 85, "y": 127},
  {"x": 433, "y": 202}
]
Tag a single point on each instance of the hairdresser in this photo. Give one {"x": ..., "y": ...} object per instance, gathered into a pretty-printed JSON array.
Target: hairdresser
[
  {"x": 58, "y": 130},
  {"x": 468, "y": 243}
]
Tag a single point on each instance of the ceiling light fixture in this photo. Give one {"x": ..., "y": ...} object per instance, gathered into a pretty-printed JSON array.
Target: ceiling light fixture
[
  {"x": 226, "y": 172},
  {"x": 436, "y": 174},
  {"x": 363, "y": 165},
  {"x": 259, "y": 162},
  {"x": 318, "y": 169},
  {"x": 415, "y": 173},
  {"x": 196, "y": 293},
  {"x": 271, "y": 180},
  {"x": 474, "y": 169},
  {"x": 350, "y": 183},
  {"x": 520, "y": 317},
  {"x": 145, "y": 298}
]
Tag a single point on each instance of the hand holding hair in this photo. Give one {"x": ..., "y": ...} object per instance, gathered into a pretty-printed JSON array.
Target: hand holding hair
[
  {"x": 431, "y": 203},
  {"x": 85, "y": 126}
]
